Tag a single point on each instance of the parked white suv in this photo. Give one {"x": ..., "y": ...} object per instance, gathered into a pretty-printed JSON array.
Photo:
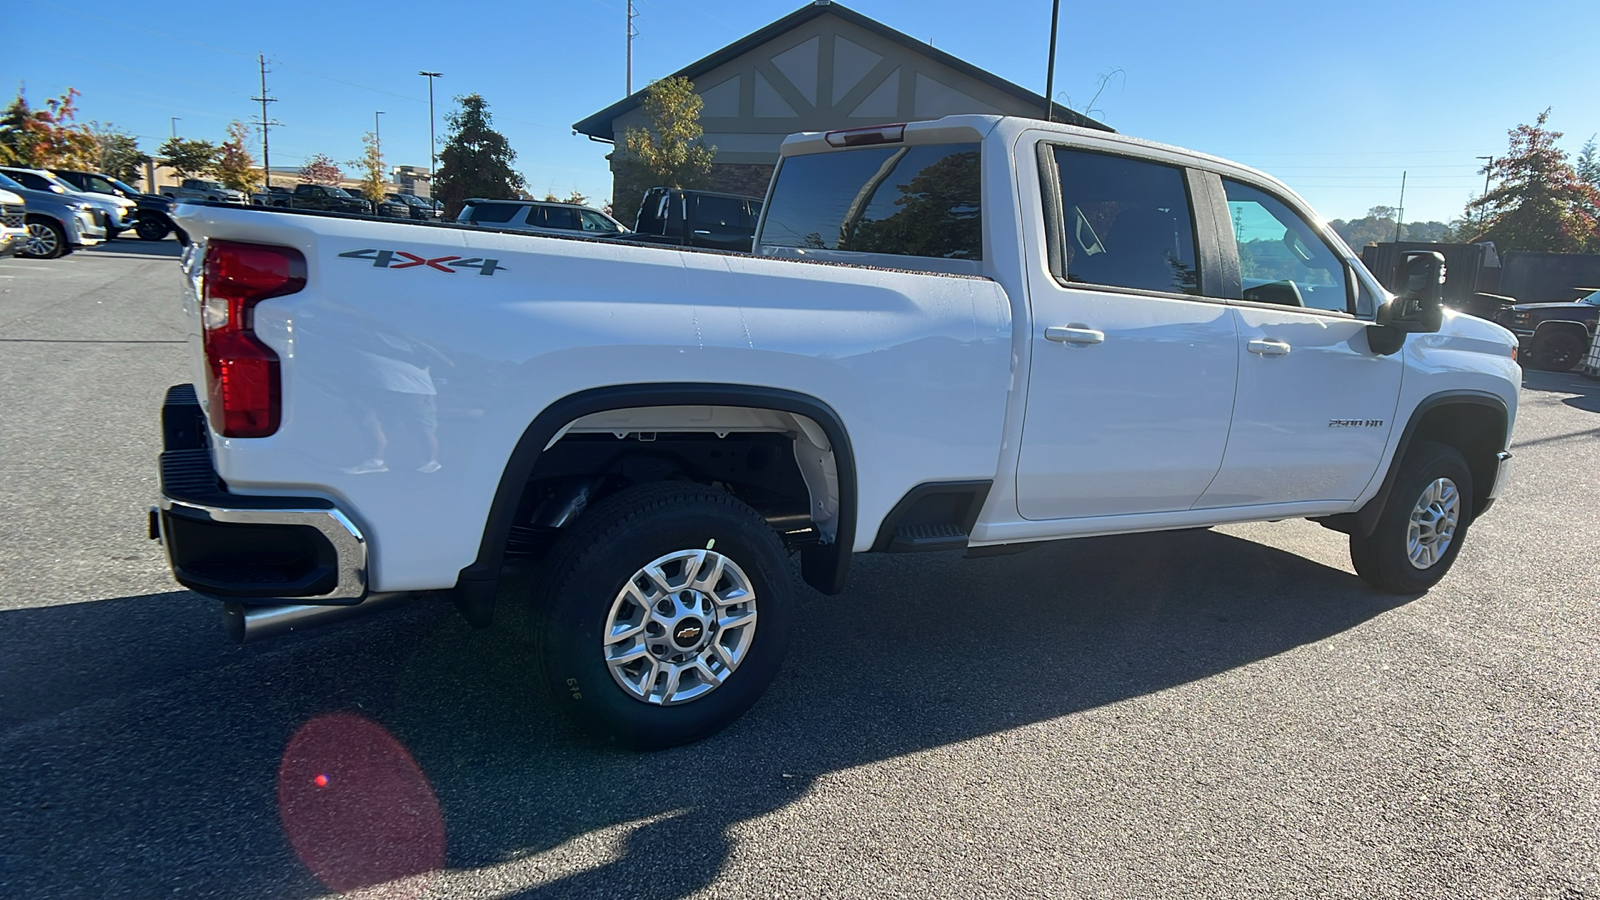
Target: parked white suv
[{"x": 968, "y": 334}]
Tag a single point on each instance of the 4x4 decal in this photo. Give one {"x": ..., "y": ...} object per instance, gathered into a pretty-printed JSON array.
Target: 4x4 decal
[{"x": 399, "y": 259}]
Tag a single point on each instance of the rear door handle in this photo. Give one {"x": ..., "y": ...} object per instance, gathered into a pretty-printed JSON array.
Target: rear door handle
[
  {"x": 1268, "y": 348},
  {"x": 1073, "y": 334}
]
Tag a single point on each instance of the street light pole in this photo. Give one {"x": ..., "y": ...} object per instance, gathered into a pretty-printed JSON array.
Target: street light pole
[
  {"x": 433, "y": 155},
  {"x": 377, "y": 134},
  {"x": 174, "y": 124}
]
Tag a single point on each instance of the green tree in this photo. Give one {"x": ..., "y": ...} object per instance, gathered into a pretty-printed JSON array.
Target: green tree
[
  {"x": 189, "y": 158},
  {"x": 234, "y": 166},
  {"x": 1378, "y": 226},
  {"x": 574, "y": 197},
  {"x": 45, "y": 138},
  {"x": 372, "y": 168},
  {"x": 476, "y": 159},
  {"x": 118, "y": 152},
  {"x": 1540, "y": 203},
  {"x": 321, "y": 169},
  {"x": 667, "y": 153}
]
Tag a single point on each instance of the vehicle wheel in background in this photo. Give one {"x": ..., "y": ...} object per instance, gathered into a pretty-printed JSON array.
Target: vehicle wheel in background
[
  {"x": 648, "y": 633},
  {"x": 151, "y": 229},
  {"x": 1558, "y": 351},
  {"x": 1422, "y": 525},
  {"x": 46, "y": 239}
]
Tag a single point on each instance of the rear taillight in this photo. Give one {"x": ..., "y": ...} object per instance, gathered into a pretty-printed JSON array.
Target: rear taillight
[{"x": 242, "y": 384}]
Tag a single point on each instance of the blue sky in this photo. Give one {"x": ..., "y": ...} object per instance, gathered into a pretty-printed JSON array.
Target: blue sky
[{"x": 1337, "y": 99}]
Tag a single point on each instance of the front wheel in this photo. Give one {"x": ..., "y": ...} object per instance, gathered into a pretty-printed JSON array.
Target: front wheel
[
  {"x": 666, "y": 614},
  {"x": 1558, "y": 351},
  {"x": 1422, "y": 524},
  {"x": 149, "y": 228},
  {"x": 46, "y": 240}
]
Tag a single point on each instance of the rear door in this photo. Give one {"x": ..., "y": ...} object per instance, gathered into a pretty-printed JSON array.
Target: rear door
[
  {"x": 1314, "y": 405},
  {"x": 1134, "y": 348}
]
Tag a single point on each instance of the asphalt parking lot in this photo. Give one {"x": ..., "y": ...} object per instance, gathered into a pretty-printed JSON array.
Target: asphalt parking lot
[{"x": 1226, "y": 713}]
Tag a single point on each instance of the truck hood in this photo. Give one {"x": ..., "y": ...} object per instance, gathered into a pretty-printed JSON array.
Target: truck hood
[
  {"x": 1523, "y": 307},
  {"x": 1477, "y": 331}
]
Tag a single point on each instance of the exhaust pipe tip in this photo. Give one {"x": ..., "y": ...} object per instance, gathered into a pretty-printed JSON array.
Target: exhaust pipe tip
[{"x": 248, "y": 623}]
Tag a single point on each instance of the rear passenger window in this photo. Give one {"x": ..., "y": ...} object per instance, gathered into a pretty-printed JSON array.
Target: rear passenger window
[
  {"x": 1127, "y": 223},
  {"x": 920, "y": 200},
  {"x": 1282, "y": 259},
  {"x": 561, "y": 217},
  {"x": 494, "y": 213}
]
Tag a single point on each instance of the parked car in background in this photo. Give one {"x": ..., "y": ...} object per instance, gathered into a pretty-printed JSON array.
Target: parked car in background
[
  {"x": 1555, "y": 336},
  {"x": 152, "y": 214},
  {"x": 201, "y": 189},
  {"x": 327, "y": 198},
  {"x": 13, "y": 223},
  {"x": 541, "y": 217},
  {"x": 272, "y": 196},
  {"x": 415, "y": 207},
  {"x": 390, "y": 207},
  {"x": 119, "y": 212},
  {"x": 58, "y": 222},
  {"x": 689, "y": 218}
]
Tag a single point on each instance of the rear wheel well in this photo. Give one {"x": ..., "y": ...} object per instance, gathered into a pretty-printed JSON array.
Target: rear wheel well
[{"x": 1476, "y": 430}]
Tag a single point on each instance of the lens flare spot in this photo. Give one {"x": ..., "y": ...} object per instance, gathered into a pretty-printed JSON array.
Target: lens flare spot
[{"x": 320, "y": 781}]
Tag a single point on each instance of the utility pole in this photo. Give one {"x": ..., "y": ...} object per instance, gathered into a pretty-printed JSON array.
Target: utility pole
[
  {"x": 632, "y": 33},
  {"x": 1050, "y": 70},
  {"x": 1400, "y": 217},
  {"x": 265, "y": 123},
  {"x": 433, "y": 154},
  {"x": 1483, "y": 216},
  {"x": 377, "y": 135},
  {"x": 174, "y": 123}
]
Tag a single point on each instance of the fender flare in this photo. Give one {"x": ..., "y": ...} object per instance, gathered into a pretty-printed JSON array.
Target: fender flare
[
  {"x": 1364, "y": 520},
  {"x": 824, "y": 567}
]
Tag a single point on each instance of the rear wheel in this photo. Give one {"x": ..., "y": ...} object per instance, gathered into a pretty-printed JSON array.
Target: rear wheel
[
  {"x": 1558, "y": 351},
  {"x": 1422, "y": 525},
  {"x": 46, "y": 239},
  {"x": 648, "y": 633}
]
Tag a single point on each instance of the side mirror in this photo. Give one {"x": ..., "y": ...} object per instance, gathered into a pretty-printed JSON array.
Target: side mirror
[{"x": 1419, "y": 306}]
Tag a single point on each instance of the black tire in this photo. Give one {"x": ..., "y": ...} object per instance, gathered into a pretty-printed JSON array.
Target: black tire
[
  {"x": 113, "y": 233},
  {"x": 46, "y": 239},
  {"x": 588, "y": 568},
  {"x": 150, "y": 228},
  {"x": 1382, "y": 558},
  {"x": 1558, "y": 351}
]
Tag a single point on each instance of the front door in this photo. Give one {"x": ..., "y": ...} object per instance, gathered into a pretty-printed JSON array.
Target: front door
[
  {"x": 1131, "y": 386},
  {"x": 1315, "y": 405}
]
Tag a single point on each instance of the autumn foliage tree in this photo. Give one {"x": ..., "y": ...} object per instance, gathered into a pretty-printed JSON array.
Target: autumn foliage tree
[
  {"x": 476, "y": 159},
  {"x": 372, "y": 168},
  {"x": 321, "y": 169},
  {"x": 668, "y": 152},
  {"x": 1540, "y": 202},
  {"x": 235, "y": 167},
  {"x": 48, "y": 137}
]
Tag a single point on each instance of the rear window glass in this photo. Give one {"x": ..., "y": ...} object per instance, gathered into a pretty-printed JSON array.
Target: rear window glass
[
  {"x": 494, "y": 212},
  {"x": 920, "y": 200}
]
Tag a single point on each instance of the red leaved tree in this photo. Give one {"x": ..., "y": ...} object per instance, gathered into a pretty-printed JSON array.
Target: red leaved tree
[
  {"x": 1540, "y": 202},
  {"x": 321, "y": 169},
  {"x": 48, "y": 137}
]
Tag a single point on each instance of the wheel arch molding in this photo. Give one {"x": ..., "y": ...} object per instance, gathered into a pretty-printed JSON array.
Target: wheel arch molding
[{"x": 824, "y": 567}]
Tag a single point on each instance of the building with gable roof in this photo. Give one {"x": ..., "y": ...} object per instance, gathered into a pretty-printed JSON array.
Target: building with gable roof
[{"x": 820, "y": 68}]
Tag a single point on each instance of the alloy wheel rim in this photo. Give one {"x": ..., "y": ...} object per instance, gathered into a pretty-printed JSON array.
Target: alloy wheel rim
[
  {"x": 41, "y": 240},
  {"x": 679, "y": 627},
  {"x": 1433, "y": 523}
]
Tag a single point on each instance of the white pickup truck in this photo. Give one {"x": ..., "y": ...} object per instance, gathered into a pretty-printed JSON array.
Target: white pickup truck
[{"x": 969, "y": 334}]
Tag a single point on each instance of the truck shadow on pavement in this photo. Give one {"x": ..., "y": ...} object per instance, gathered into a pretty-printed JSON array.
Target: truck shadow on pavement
[
  {"x": 1585, "y": 392},
  {"x": 141, "y": 755}
]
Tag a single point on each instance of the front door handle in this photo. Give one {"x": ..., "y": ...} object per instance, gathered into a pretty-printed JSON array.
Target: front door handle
[
  {"x": 1268, "y": 348},
  {"x": 1073, "y": 334}
]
